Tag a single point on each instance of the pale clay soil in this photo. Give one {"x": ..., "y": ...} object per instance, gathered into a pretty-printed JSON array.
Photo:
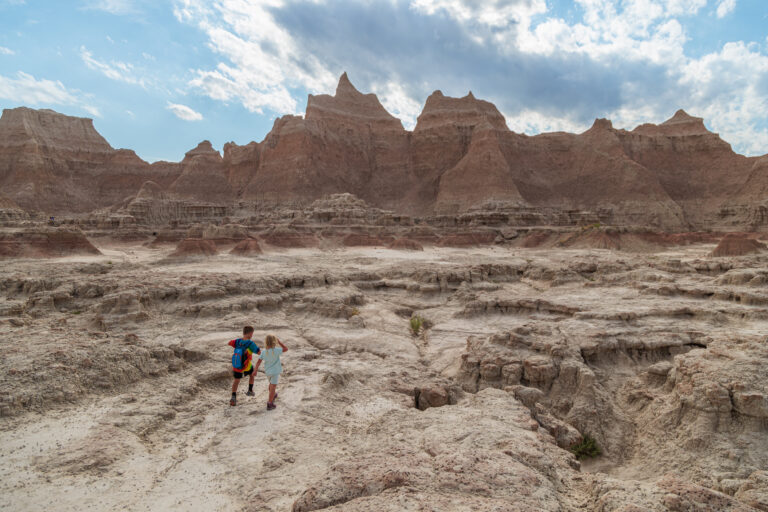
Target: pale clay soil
[{"x": 115, "y": 377}]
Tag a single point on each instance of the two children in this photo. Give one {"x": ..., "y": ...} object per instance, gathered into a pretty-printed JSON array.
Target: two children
[{"x": 244, "y": 350}]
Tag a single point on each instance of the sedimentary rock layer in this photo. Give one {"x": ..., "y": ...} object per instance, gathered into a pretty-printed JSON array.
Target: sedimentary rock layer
[{"x": 461, "y": 156}]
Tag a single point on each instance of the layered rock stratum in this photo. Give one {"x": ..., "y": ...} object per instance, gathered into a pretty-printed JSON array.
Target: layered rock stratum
[{"x": 461, "y": 156}]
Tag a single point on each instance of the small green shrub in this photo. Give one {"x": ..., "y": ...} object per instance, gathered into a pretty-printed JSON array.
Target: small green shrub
[
  {"x": 109, "y": 262},
  {"x": 354, "y": 312},
  {"x": 417, "y": 323},
  {"x": 587, "y": 448},
  {"x": 76, "y": 312}
]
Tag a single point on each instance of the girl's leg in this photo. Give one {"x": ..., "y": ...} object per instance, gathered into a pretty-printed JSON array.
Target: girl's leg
[{"x": 272, "y": 388}]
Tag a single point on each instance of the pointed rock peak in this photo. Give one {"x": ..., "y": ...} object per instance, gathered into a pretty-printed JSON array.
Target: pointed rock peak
[
  {"x": 442, "y": 110},
  {"x": 602, "y": 124},
  {"x": 681, "y": 116},
  {"x": 204, "y": 148},
  {"x": 345, "y": 87}
]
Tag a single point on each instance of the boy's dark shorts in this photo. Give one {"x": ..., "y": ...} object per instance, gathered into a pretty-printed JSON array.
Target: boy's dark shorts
[{"x": 240, "y": 375}]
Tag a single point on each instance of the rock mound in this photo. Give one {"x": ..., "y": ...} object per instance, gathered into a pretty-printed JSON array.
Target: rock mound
[
  {"x": 290, "y": 238},
  {"x": 247, "y": 247},
  {"x": 365, "y": 240},
  {"x": 194, "y": 248},
  {"x": 220, "y": 235},
  {"x": 406, "y": 244},
  {"x": 469, "y": 239},
  {"x": 44, "y": 242},
  {"x": 737, "y": 245}
]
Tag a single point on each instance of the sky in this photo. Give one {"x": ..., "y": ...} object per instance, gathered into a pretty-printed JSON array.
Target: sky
[{"x": 160, "y": 76}]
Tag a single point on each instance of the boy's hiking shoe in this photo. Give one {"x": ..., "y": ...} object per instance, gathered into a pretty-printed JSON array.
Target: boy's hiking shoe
[
  {"x": 233, "y": 401},
  {"x": 250, "y": 393},
  {"x": 271, "y": 406}
]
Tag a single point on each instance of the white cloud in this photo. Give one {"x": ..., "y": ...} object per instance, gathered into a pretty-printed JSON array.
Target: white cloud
[
  {"x": 397, "y": 102},
  {"x": 6, "y": 51},
  {"x": 184, "y": 112},
  {"x": 116, "y": 70},
  {"x": 27, "y": 90},
  {"x": 264, "y": 61},
  {"x": 530, "y": 121},
  {"x": 725, "y": 7}
]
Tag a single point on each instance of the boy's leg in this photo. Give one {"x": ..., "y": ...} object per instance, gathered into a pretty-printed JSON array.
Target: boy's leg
[
  {"x": 250, "y": 384},
  {"x": 235, "y": 383}
]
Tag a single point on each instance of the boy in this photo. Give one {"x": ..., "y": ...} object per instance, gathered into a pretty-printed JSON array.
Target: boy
[
  {"x": 272, "y": 366},
  {"x": 247, "y": 368}
]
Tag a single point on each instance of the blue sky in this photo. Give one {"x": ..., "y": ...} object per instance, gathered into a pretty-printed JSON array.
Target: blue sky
[{"x": 160, "y": 76}]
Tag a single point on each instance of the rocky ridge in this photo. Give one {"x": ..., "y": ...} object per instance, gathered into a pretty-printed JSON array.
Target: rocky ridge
[{"x": 675, "y": 176}]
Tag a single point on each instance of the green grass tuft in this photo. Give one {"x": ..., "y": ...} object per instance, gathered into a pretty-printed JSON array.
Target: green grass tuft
[
  {"x": 587, "y": 448},
  {"x": 417, "y": 323}
]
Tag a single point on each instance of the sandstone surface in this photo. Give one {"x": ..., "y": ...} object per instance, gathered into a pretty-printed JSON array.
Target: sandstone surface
[{"x": 659, "y": 356}]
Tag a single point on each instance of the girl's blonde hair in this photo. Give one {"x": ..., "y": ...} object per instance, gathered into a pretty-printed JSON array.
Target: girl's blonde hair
[{"x": 271, "y": 341}]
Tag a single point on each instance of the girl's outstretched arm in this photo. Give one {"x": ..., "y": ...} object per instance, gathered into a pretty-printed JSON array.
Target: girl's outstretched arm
[{"x": 285, "y": 349}]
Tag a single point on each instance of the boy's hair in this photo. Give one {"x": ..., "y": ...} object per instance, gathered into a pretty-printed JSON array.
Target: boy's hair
[
  {"x": 271, "y": 341},
  {"x": 247, "y": 330}
]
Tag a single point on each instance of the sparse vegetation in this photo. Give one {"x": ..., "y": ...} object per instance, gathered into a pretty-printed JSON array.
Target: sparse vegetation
[
  {"x": 417, "y": 325},
  {"x": 109, "y": 262},
  {"x": 587, "y": 448},
  {"x": 354, "y": 312},
  {"x": 76, "y": 312}
]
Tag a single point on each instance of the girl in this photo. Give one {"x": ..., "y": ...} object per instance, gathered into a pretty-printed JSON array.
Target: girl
[{"x": 272, "y": 367}]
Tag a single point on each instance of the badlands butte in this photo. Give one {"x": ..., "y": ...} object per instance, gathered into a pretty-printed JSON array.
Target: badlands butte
[{"x": 610, "y": 286}]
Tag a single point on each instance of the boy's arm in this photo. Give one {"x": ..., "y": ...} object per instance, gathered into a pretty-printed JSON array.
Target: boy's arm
[
  {"x": 231, "y": 343},
  {"x": 285, "y": 349}
]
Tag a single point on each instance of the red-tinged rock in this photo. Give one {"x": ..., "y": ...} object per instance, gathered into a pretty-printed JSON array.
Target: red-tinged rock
[
  {"x": 737, "y": 245},
  {"x": 191, "y": 248},
  {"x": 345, "y": 143},
  {"x": 406, "y": 244},
  {"x": 60, "y": 164},
  {"x": 247, "y": 247},
  {"x": 471, "y": 239},
  {"x": 365, "y": 240},
  {"x": 44, "y": 242},
  {"x": 288, "y": 238},
  {"x": 203, "y": 176}
]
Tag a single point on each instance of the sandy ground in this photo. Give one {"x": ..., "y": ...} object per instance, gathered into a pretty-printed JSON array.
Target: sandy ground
[{"x": 115, "y": 378}]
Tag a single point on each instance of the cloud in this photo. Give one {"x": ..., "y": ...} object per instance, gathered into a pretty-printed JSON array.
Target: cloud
[
  {"x": 116, "y": 70},
  {"x": 184, "y": 112},
  {"x": 6, "y": 51},
  {"x": 25, "y": 89},
  {"x": 262, "y": 62},
  {"x": 725, "y": 7}
]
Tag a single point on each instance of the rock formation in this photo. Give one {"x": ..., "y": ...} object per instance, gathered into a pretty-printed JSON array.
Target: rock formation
[
  {"x": 406, "y": 244},
  {"x": 191, "y": 248},
  {"x": 735, "y": 245},
  {"x": 58, "y": 164},
  {"x": 460, "y": 158},
  {"x": 247, "y": 247},
  {"x": 44, "y": 242}
]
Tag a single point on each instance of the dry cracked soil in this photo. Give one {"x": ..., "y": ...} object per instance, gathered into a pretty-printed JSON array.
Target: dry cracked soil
[{"x": 115, "y": 376}]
